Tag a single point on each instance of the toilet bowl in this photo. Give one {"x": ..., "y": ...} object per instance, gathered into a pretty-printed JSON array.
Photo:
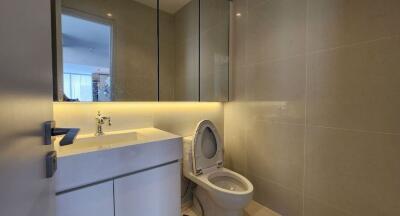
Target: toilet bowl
[{"x": 219, "y": 191}]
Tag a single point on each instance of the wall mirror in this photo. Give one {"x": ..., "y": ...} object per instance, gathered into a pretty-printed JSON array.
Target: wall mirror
[
  {"x": 179, "y": 50},
  {"x": 140, "y": 50}
]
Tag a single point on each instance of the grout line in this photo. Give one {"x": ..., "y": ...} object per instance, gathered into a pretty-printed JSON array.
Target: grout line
[
  {"x": 305, "y": 109},
  {"x": 351, "y": 45},
  {"x": 321, "y": 201},
  {"x": 307, "y": 53},
  {"x": 278, "y": 184},
  {"x": 246, "y": 94},
  {"x": 355, "y": 130},
  {"x": 244, "y": 68},
  {"x": 279, "y": 122},
  {"x": 199, "y": 50},
  {"x": 272, "y": 60}
]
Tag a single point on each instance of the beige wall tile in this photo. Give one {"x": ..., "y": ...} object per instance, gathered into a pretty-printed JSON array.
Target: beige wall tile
[
  {"x": 394, "y": 23},
  {"x": 275, "y": 152},
  {"x": 256, "y": 209},
  {"x": 275, "y": 30},
  {"x": 237, "y": 88},
  {"x": 356, "y": 87},
  {"x": 313, "y": 207},
  {"x": 182, "y": 118},
  {"x": 353, "y": 171},
  {"x": 277, "y": 198},
  {"x": 333, "y": 23},
  {"x": 235, "y": 125},
  {"x": 279, "y": 83},
  {"x": 351, "y": 79}
]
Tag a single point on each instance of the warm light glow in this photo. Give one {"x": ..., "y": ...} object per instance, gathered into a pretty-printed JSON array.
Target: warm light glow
[
  {"x": 109, "y": 14},
  {"x": 179, "y": 118},
  {"x": 146, "y": 107},
  {"x": 238, "y": 14}
]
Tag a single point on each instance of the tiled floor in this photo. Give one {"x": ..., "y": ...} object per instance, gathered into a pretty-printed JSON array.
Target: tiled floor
[{"x": 253, "y": 209}]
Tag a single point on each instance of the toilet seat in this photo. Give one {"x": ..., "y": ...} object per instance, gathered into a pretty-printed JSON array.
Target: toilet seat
[{"x": 207, "y": 151}]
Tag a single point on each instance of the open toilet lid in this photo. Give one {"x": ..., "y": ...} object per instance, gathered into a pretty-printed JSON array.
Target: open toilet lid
[{"x": 207, "y": 149}]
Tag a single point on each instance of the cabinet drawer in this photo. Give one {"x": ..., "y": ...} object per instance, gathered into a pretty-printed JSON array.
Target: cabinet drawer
[
  {"x": 93, "y": 200},
  {"x": 152, "y": 193},
  {"x": 82, "y": 169}
]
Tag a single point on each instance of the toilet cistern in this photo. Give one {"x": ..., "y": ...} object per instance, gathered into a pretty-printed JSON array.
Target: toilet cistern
[{"x": 100, "y": 120}]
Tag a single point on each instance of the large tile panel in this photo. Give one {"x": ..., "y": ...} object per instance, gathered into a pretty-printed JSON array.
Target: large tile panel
[
  {"x": 356, "y": 172},
  {"x": 275, "y": 30},
  {"x": 278, "y": 89},
  {"x": 356, "y": 87},
  {"x": 275, "y": 152},
  {"x": 333, "y": 23},
  {"x": 277, "y": 198},
  {"x": 314, "y": 207}
]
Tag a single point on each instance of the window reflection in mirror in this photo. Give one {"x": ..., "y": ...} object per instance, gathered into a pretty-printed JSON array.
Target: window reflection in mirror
[
  {"x": 105, "y": 50},
  {"x": 87, "y": 58}
]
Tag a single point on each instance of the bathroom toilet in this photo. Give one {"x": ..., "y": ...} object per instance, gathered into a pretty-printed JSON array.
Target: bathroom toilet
[{"x": 219, "y": 191}]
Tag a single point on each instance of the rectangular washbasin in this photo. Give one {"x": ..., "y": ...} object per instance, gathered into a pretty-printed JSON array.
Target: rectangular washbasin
[{"x": 91, "y": 142}]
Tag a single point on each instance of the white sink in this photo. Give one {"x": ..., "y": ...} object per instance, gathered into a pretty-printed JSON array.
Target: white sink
[
  {"x": 95, "y": 158},
  {"x": 106, "y": 139},
  {"x": 90, "y": 142},
  {"x": 85, "y": 143}
]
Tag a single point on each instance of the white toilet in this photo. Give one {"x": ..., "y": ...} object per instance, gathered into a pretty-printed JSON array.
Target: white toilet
[{"x": 220, "y": 191}]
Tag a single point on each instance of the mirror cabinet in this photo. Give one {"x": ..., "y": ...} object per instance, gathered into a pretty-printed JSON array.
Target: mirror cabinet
[{"x": 141, "y": 50}]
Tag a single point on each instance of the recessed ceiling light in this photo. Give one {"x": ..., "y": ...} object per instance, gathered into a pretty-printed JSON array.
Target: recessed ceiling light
[
  {"x": 238, "y": 14},
  {"x": 109, "y": 14}
]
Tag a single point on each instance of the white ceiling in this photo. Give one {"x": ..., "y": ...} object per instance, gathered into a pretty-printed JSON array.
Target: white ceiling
[{"x": 169, "y": 6}]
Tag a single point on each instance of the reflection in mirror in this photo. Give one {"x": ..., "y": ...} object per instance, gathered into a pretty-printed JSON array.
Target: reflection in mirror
[
  {"x": 107, "y": 50},
  {"x": 214, "y": 50},
  {"x": 86, "y": 58},
  {"x": 179, "y": 50}
]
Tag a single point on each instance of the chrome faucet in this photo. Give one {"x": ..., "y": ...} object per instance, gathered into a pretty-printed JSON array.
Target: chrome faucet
[{"x": 100, "y": 119}]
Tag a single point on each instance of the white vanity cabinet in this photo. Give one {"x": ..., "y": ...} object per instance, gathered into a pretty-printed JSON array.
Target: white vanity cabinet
[
  {"x": 152, "y": 193},
  {"x": 137, "y": 178},
  {"x": 92, "y": 200}
]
